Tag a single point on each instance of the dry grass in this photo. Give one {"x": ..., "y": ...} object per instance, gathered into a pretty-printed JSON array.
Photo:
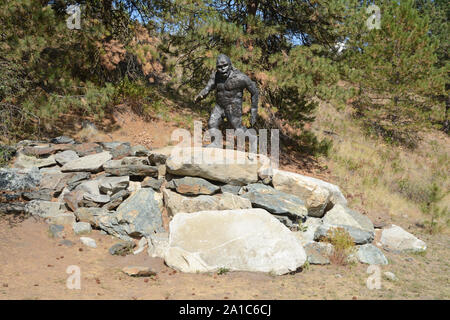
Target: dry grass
[{"x": 380, "y": 178}]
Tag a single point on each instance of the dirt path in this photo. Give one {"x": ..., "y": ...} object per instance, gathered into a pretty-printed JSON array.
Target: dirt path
[{"x": 33, "y": 266}]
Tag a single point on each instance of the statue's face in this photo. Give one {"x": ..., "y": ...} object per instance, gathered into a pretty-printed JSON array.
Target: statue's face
[{"x": 223, "y": 67}]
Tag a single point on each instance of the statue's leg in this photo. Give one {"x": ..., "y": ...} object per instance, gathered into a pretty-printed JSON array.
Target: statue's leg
[
  {"x": 234, "y": 116},
  {"x": 214, "y": 122}
]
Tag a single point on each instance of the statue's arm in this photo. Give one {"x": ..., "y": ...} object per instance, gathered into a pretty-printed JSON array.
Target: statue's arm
[
  {"x": 253, "y": 89},
  {"x": 209, "y": 86}
]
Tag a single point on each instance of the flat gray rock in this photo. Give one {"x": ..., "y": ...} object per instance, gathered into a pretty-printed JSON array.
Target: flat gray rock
[
  {"x": 275, "y": 201},
  {"x": 238, "y": 240},
  {"x": 193, "y": 186},
  {"x": 81, "y": 228},
  {"x": 130, "y": 166},
  {"x": 396, "y": 239},
  {"x": 25, "y": 162},
  {"x": 91, "y": 215},
  {"x": 90, "y": 163},
  {"x": 150, "y": 182},
  {"x": 357, "y": 225},
  {"x": 370, "y": 254},
  {"x": 138, "y": 216},
  {"x": 118, "y": 150},
  {"x": 66, "y": 156},
  {"x": 223, "y": 165},
  {"x": 140, "y": 151},
  {"x": 112, "y": 185}
]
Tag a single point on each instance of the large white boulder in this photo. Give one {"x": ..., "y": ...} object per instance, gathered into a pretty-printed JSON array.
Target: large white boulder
[
  {"x": 395, "y": 238},
  {"x": 238, "y": 240},
  {"x": 224, "y": 165}
]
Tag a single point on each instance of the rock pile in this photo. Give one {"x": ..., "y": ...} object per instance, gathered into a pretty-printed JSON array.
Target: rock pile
[{"x": 228, "y": 209}]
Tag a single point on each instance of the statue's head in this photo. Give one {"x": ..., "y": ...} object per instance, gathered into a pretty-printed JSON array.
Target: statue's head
[{"x": 223, "y": 65}]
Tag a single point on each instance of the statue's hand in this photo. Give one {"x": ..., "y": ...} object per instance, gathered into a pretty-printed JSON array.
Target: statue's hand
[{"x": 254, "y": 115}]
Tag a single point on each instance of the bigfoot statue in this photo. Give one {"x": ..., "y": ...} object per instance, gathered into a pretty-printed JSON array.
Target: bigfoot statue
[{"x": 229, "y": 84}]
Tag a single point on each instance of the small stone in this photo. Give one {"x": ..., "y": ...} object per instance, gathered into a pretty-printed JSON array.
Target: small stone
[
  {"x": 370, "y": 254},
  {"x": 81, "y": 228},
  {"x": 97, "y": 198},
  {"x": 137, "y": 271},
  {"x": 26, "y": 162},
  {"x": 112, "y": 185},
  {"x": 62, "y": 140},
  {"x": 118, "y": 150},
  {"x": 152, "y": 183},
  {"x": 90, "y": 163},
  {"x": 318, "y": 252},
  {"x": 390, "y": 276},
  {"x": 43, "y": 194},
  {"x": 396, "y": 239},
  {"x": 88, "y": 242},
  {"x": 141, "y": 246},
  {"x": 230, "y": 189},
  {"x": 122, "y": 248},
  {"x": 192, "y": 186},
  {"x": 139, "y": 151},
  {"x": 85, "y": 149},
  {"x": 66, "y": 243}
]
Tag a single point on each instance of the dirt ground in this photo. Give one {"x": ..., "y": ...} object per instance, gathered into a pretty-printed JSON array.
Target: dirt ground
[{"x": 34, "y": 265}]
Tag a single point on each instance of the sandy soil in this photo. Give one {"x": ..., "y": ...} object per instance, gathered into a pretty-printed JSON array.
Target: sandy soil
[{"x": 33, "y": 266}]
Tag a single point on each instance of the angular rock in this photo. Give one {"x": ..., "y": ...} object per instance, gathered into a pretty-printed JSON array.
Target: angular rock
[
  {"x": 97, "y": 198},
  {"x": 130, "y": 167},
  {"x": 81, "y": 228},
  {"x": 223, "y": 165},
  {"x": 85, "y": 149},
  {"x": 73, "y": 179},
  {"x": 62, "y": 140},
  {"x": 88, "y": 242},
  {"x": 73, "y": 199},
  {"x": 138, "y": 216},
  {"x": 370, "y": 254},
  {"x": 66, "y": 243},
  {"x": 239, "y": 240},
  {"x": 230, "y": 189},
  {"x": 193, "y": 186},
  {"x": 91, "y": 215},
  {"x": 89, "y": 187},
  {"x": 159, "y": 156},
  {"x": 139, "y": 151},
  {"x": 27, "y": 162},
  {"x": 45, "y": 150},
  {"x": 141, "y": 246},
  {"x": 64, "y": 218},
  {"x": 317, "y": 194},
  {"x": 12, "y": 207},
  {"x": 357, "y": 225},
  {"x": 116, "y": 200},
  {"x": 90, "y": 163},
  {"x": 53, "y": 181},
  {"x": 319, "y": 252},
  {"x": 42, "y": 194},
  {"x": 396, "y": 239},
  {"x": 275, "y": 201},
  {"x": 137, "y": 271},
  {"x": 150, "y": 182},
  {"x": 229, "y": 201},
  {"x": 66, "y": 156},
  {"x": 122, "y": 248},
  {"x": 117, "y": 149},
  {"x": 177, "y": 203},
  {"x": 112, "y": 185},
  {"x": 134, "y": 186}
]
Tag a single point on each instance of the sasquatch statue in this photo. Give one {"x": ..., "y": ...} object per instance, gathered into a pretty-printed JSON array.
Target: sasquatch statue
[{"x": 229, "y": 83}]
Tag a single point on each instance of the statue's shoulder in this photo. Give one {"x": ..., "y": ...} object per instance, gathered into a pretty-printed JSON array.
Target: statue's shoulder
[{"x": 239, "y": 74}]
